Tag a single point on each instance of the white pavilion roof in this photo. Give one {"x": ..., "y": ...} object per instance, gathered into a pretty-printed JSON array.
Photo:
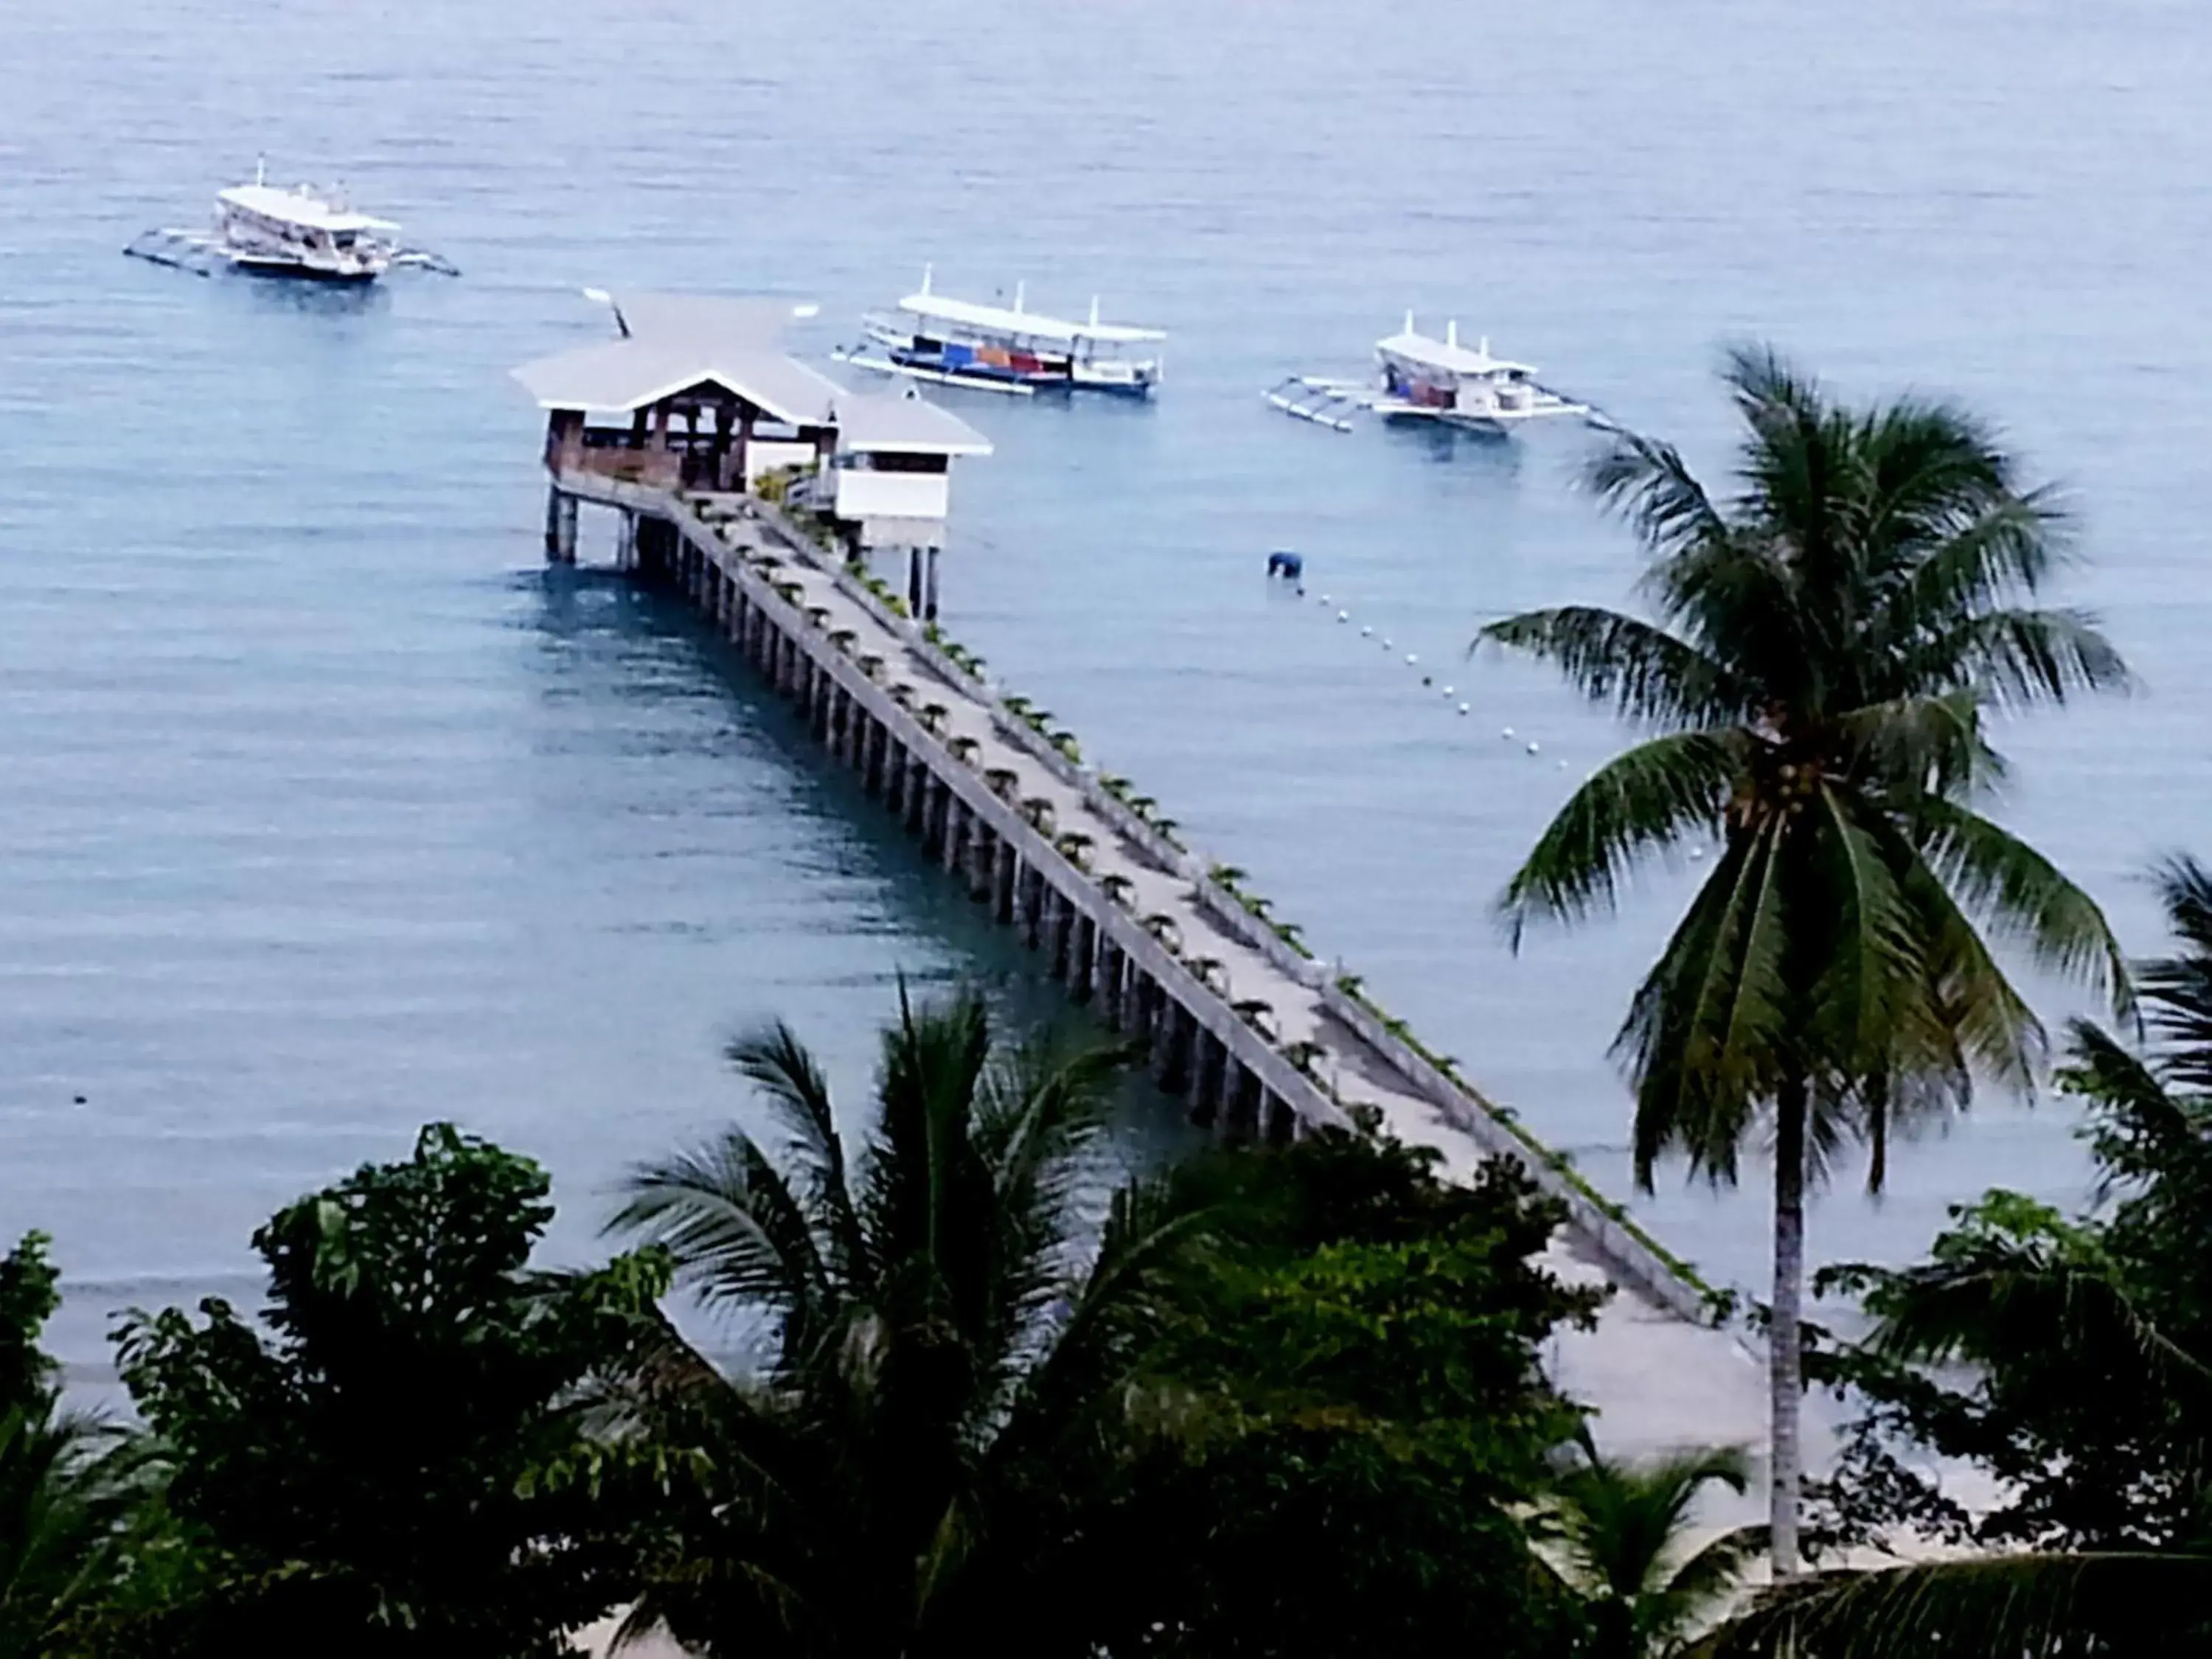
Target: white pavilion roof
[
  {"x": 672, "y": 342},
  {"x": 617, "y": 377}
]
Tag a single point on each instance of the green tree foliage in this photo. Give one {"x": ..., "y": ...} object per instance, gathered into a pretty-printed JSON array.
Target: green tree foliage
[
  {"x": 1360, "y": 1422},
  {"x": 29, "y": 1294},
  {"x": 1619, "y": 1531},
  {"x": 69, "y": 1487},
  {"x": 1829, "y": 638},
  {"x": 945, "y": 1330},
  {"x": 362, "y": 1466},
  {"x": 2064, "y": 1358},
  {"x": 1001, "y": 1399}
]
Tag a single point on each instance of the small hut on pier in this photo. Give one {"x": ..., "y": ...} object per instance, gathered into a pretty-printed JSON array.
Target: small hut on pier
[{"x": 698, "y": 394}]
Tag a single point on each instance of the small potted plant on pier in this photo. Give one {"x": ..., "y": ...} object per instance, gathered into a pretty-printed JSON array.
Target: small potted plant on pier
[
  {"x": 1075, "y": 846},
  {"x": 934, "y": 716},
  {"x": 1038, "y": 811},
  {"x": 1258, "y": 1014},
  {"x": 1002, "y": 779},
  {"x": 1116, "y": 887},
  {"x": 1165, "y": 929},
  {"x": 964, "y": 747},
  {"x": 1209, "y": 972}
]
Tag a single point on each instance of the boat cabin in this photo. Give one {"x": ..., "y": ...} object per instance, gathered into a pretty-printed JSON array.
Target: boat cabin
[
  {"x": 934, "y": 336},
  {"x": 697, "y": 394}
]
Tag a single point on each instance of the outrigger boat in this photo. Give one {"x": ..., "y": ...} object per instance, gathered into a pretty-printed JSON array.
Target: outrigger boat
[
  {"x": 952, "y": 342},
  {"x": 270, "y": 231},
  {"x": 1420, "y": 378}
]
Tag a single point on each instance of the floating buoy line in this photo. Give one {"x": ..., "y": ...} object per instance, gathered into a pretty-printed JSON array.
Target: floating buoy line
[{"x": 1285, "y": 566}]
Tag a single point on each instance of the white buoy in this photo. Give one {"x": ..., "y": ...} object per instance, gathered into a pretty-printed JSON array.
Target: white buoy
[
  {"x": 1462, "y": 709},
  {"x": 1534, "y": 747},
  {"x": 1507, "y": 734},
  {"x": 1412, "y": 657},
  {"x": 1696, "y": 852},
  {"x": 1563, "y": 766},
  {"x": 1324, "y": 599},
  {"x": 1448, "y": 691},
  {"x": 1344, "y": 615},
  {"x": 1387, "y": 645},
  {"x": 1364, "y": 632}
]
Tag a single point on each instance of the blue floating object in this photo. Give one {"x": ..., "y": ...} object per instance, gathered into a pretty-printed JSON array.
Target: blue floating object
[{"x": 1286, "y": 565}]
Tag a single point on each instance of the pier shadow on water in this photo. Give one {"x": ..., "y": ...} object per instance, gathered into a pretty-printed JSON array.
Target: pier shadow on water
[{"x": 620, "y": 640}]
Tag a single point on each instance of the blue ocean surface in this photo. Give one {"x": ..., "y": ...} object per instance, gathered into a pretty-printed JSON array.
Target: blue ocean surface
[{"x": 324, "y": 811}]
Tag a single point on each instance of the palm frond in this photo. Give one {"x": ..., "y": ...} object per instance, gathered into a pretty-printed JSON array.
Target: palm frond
[
  {"x": 1933, "y": 471},
  {"x": 1715, "y": 1569},
  {"x": 1620, "y": 662},
  {"x": 2178, "y": 988},
  {"x": 2023, "y": 1607},
  {"x": 1965, "y": 553},
  {"x": 2122, "y": 1086},
  {"x": 1931, "y": 745},
  {"x": 1659, "y": 793},
  {"x": 1983, "y": 1015},
  {"x": 2022, "y": 896},
  {"x": 739, "y": 1235},
  {"x": 782, "y": 1067},
  {"x": 1870, "y": 1001},
  {"x": 1997, "y": 1295},
  {"x": 1647, "y": 482},
  {"x": 2021, "y": 657},
  {"x": 1158, "y": 1233},
  {"x": 1706, "y": 1027},
  {"x": 923, "y": 1159}
]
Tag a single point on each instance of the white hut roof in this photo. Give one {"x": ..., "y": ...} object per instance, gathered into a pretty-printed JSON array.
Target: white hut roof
[
  {"x": 617, "y": 377},
  {"x": 906, "y": 422},
  {"x": 671, "y": 342}
]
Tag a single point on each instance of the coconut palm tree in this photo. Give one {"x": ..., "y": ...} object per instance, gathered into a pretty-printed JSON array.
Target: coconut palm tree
[
  {"x": 946, "y": 1330},
  {"x": 1827, "y": 641},
  {"x": 1616, "y": 1530},
  {"x": 2066, "y": 1337}
]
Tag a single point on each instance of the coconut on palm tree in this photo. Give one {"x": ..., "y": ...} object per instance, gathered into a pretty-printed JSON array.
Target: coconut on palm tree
[
  {"x": 1619, "y": 1533},
  {"x": 946, "y": 1330},
  {"x": 1827, "y": 641}
]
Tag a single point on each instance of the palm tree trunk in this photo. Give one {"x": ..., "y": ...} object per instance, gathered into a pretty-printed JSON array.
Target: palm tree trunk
[{"x": 1784, "y": 1360}]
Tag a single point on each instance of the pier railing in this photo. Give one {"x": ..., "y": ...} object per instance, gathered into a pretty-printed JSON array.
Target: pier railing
[{"x": 1632, "y": 1254}]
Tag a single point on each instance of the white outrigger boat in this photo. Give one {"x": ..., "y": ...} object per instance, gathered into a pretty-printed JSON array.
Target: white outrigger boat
[
  {"x": 952, "y": 342},
  {"x": 270, "y": 231},
  {"x": 1420, "y": 378}
]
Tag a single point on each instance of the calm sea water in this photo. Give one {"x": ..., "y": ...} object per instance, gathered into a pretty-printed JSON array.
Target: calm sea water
[{"x": 323, "y": 811}]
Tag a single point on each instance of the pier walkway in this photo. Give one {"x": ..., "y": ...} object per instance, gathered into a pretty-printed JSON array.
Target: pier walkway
[{"x": 1236, "y": 1013}]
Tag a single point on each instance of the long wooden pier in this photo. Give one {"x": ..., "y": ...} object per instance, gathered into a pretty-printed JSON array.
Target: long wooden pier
[{"x": 1259, "y": 1036}]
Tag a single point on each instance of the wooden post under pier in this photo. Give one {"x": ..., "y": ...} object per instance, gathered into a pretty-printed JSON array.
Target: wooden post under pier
[{"x": 1099, "y": 913}]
